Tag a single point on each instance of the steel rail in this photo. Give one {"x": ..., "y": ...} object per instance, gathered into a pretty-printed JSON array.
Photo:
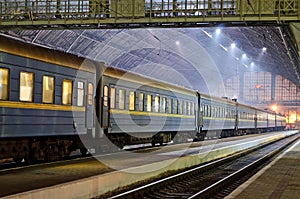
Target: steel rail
[{"x": 212, "y": 189}]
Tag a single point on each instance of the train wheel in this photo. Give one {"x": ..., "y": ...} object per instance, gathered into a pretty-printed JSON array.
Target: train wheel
[
  {"x": 29, "y": 158},
  {"x": 153, "y": 143},
  {"x": 18, "y": 160},
  {"x": 83, "y": 151}
]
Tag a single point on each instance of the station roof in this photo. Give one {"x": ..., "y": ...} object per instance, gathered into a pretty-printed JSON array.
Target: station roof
[{"x": 184, "y": 56}]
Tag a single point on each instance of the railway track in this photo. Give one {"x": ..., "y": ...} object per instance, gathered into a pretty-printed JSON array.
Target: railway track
[{"x": 214, "y": 180}]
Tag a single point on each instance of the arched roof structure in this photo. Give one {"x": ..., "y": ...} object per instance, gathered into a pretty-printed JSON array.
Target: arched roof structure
[{"x": 192, "y": 57}]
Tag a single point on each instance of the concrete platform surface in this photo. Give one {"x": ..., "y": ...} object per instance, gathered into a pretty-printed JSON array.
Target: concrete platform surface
[
  {"x": 278, "y": 180},
  {"x": 88, "y": 179}
]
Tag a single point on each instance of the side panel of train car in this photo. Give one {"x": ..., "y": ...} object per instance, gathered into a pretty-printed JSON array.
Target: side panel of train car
[
  {"x": 246, "y": 119},
  {"x": 139, "y": 110},
  {"x": 219, "y": 116},
  {"x": 42, "y": 105}
]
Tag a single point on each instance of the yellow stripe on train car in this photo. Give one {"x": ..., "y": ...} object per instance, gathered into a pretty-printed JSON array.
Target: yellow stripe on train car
[
  {"x": 53, "y": 107},
  {"x": 141, "y": 113}
]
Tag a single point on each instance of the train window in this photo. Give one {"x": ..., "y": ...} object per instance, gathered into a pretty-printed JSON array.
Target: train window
[
  {"x": 4, "y": 76},
  {"x": 90, "y": 93},
  {"x": 188, "y": 108},
  {"x": 209, "y": 111},
  {"x": 112, "y": 97},
  {"x": 169, "y": 106},
  {"x": 220, "y": 112},
  {"x": 226, "y": 113},
  {"x": 204, "y": 109},
  {"x": 192, "y": 108},
  {"x": 105, "y": 96},
  {"x": 26, "y": 86},
  {"x": 183, "y": 106},
  {"x": 80, "y": 93},
  {"x": 175, "y": 106},
  {"x": 48, "y": 89},
  {"x": 131, "y": 100},
  {"x": 180, "y": 107},
  {"x": 156, "y": 103},
  {"x": 141, "y": 101},
  {"x": 163, "y": 104},
  {"x": 121, "y": 99},
  {"x": 212, "y": 111},
  {"x": 67, "y": 92},
  {"x": 149, "y": 103}
]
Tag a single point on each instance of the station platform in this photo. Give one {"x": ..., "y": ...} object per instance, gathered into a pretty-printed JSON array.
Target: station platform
[
  {"x": 279, "y": 179},
  {"x": 106, "y": 174}
]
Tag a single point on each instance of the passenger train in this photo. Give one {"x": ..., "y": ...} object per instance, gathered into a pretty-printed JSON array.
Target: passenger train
[{"x": 53, "y": 103}]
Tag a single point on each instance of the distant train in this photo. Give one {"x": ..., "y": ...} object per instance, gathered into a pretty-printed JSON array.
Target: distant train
[{"x": 53, "y": 103}]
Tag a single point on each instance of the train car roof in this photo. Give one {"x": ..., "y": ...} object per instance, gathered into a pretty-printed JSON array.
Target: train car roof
[
  {"x": 20, "y": 48},
  {"x": 218, "y": 99},
  {"x": 143, "y": 80}
]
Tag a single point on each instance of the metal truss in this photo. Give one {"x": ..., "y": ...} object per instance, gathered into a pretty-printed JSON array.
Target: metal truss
[{"x": 41, "y": 14}]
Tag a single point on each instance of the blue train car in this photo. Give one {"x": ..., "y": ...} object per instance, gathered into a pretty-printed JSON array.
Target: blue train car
[
  {"x": 219, "y": 116},
  {"x": 43, "y": 101},
  {"x": 138, "y": 110},
  {"x": 246, "y": 119}
]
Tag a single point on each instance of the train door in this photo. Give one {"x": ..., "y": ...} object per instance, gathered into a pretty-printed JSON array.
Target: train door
[
  {"x": 105, "y": 108},
  {"x": 236, "y": 117},
  {"x": 255, "y": 120},
  {"x": 89, "y": 107}
]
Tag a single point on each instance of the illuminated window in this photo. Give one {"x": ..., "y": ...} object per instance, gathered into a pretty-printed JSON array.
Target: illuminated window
[
  {"x": 180, "y": 107},
  {"x": 80, "y": 93},
  {"x": 188, "y": 108},
  {"x": 163, "y": 104},
  {"x": 156, "y": 104},
  {"x": 175, "y": 107},
  {"x": 149, "y": 103},
  {"x": 141, "y": 101},
  {"x": 169, "y": 105},
  {"x": 67, "y": 92},
  {"x": 105, "y": 96},
  {"x": 90, "y": 93},
  {"x": 208, "y": 110},
  {"x": 112, "y": 97},
  {"x": 131, "y": 101},
  {"x": 26, "y": 87},
  {"x": 121, "y": 99},
  {"x": 48, "y": 89},
  {"x": 4, "y": 75}
]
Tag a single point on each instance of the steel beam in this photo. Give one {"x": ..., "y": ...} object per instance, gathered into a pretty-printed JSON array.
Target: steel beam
[{"x": 140, "y": 13}]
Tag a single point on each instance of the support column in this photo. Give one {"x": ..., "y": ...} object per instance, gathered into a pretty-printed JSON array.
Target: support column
[
  {"x": 273, "y": 85},
  {"x": 241, "y": 86}
]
